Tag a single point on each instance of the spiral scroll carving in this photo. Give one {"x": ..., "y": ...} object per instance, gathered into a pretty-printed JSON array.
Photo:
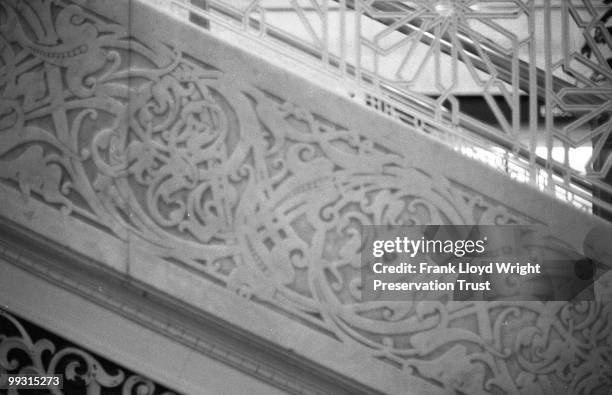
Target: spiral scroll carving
[
  {"x": 83, "y": 372},
  {"x": 264, "y": 197}
]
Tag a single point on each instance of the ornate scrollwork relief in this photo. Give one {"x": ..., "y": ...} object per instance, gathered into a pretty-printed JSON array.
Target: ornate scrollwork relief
[
  {"x": 21, "y": 353},
  {"x": 265, "y": 197}
]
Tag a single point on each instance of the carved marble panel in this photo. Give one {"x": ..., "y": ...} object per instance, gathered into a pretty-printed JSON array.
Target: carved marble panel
[{"x": 263, "y": 197}]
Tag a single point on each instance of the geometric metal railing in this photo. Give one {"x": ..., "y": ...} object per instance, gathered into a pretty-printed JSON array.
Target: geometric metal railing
[{"x": 541, "y": 69}]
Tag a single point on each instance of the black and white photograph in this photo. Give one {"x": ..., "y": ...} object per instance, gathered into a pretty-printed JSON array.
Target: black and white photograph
[{"x": 306, "y": 197}]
